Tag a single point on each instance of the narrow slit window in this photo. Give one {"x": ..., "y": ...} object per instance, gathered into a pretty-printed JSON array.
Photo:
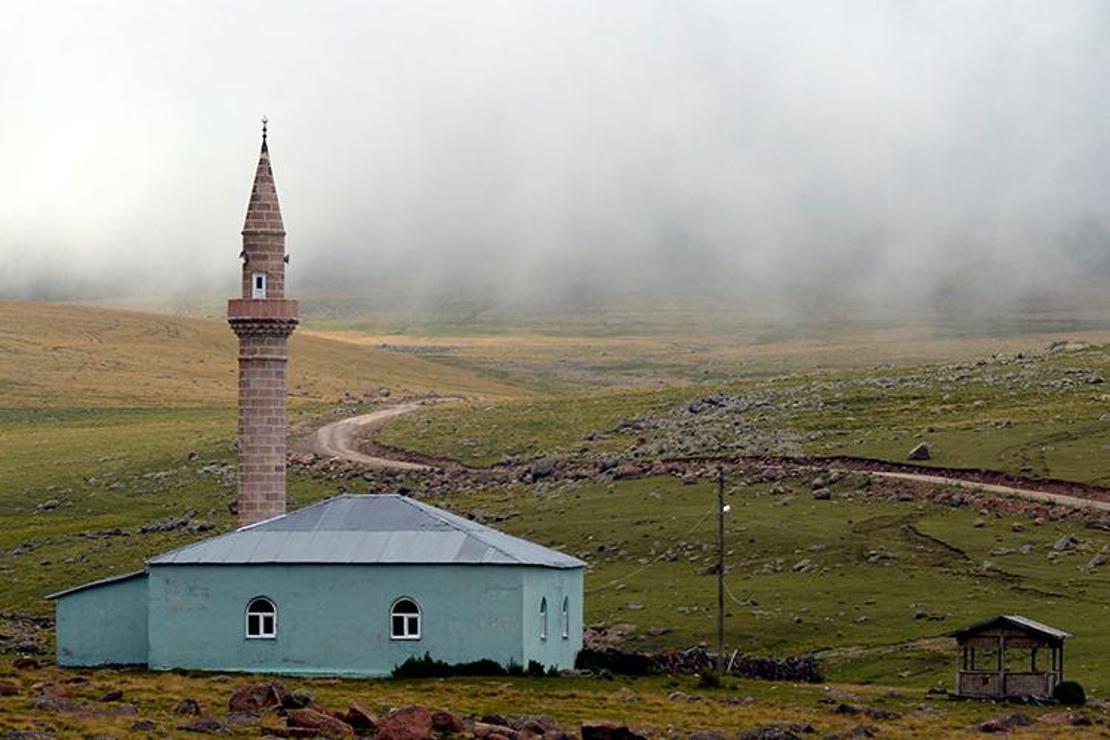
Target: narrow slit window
[
  {"x": 404, "y": 620},
  {"x": 258, "y": 285},
  {"x": 261, "y": 619},
  {"x": 543, "y": 618}
]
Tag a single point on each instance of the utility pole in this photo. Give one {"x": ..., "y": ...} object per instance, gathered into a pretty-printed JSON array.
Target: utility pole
[{"x": 720, "y": 569}]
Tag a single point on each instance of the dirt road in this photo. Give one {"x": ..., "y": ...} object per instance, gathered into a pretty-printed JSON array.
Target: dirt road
[
  {"x": 341, "y": 438},
  {"x": 349, "y": 438}
]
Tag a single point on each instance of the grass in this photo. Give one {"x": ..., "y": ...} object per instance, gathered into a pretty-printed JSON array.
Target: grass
[
  {"x": 641, "y": 703},
  {"x": 102, "y": 408}
]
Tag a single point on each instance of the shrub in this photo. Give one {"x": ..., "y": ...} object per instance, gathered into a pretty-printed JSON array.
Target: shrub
[
  {"x": 709, "y": 679},
  {"x": 1070, "y": 693}
]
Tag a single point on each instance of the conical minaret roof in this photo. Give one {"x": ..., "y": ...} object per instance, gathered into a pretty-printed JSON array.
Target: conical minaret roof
[{"x": 263, "y": 211}]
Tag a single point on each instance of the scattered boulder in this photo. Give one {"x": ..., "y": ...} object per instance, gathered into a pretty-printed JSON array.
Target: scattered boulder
[
  {"x": 776, "y": 732},
  {"x": 257, "y": 697},
  {"x": 205, "y": 726},
  {"x": 1005, "y": 723},
  {"x": 361, "y": 719},
  {"x": 324, "y": 725},
  {"x": 608, "y": 731},
  {"x": 1065, "y": 543},
  {"x": 189, "y": 707},
  {"x": 407, "y": 723},
  {"x": 920, "y": 452}
]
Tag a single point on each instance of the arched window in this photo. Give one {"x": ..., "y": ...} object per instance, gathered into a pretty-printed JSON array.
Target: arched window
[
  {"x": 261, "y": 619},
  {"x": 565, "y": 621},
  {"x": 543, "y": 618},
  {"x": 404, "y": 620}
]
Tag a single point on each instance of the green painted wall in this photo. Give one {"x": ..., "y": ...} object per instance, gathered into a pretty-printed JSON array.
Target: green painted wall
[
  {"x": 334, "y": 619},
  {"x": 104, "y": 624},
  {"x": 552, "y": 584}
]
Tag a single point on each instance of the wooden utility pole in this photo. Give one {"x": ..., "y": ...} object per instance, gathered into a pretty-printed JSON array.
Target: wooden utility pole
[{"x": 720, "y": 569}]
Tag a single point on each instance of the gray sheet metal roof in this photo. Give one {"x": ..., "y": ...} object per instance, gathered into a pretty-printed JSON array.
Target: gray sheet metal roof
[
  {"x": 101, "y": 582},
  {"x": 378, "y": 528},
  {"x": 1015, "y": 620}
]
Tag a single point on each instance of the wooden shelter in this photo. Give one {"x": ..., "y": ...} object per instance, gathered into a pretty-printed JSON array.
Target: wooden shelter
[{"x": 1009, "y": 656}]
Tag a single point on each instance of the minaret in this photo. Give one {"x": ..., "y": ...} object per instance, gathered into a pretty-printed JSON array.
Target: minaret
[{"x": 263, "y": 321}]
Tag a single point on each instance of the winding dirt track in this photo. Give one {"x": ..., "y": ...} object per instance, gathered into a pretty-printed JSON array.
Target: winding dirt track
[{"x": 348, "y": 438}]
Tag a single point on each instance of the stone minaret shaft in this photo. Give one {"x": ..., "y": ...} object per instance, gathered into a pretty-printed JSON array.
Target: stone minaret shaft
[{"x": 263, "y": 321}]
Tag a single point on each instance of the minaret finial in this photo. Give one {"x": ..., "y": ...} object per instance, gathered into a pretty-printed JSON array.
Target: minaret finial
[{"x": 265, "y": 120}]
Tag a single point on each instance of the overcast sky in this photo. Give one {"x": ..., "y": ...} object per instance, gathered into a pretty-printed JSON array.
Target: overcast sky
[{"x": 877, "y": 151}]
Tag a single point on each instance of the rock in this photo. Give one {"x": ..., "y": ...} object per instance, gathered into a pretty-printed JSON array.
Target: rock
[
  {"x": 8, "y": 689},
  {"x": 189, "y": 707},
  {"x": 361, "y": 719},
  {"x": 297, "y": 700},
  {"x": 257, "y": 697},
  {"x": 541, "y": 469},
  {"x": 447, "y": 723},
  {"x": 872, "y": 712},
  {"x": 112, "y": 696},
  {"x": 488, "y": 731},
  {"x": 1005, "y": 723},
  {"x": 920, "y": 452},
  {"x": 771, "y": 732},
  {"x": 608, "y": 731},
  {"x": 822, "y": 494},
  {"x": 144, "y": 725},
  {"x": 206, "y": 726},
  {"x": 407, "y": 723},
  {"x": 1067, "y": 542},
  {"x": 322, "y": 724}
]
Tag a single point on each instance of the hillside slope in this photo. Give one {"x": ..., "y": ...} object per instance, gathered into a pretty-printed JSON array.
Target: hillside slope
[{"x": 65, "y": 356}]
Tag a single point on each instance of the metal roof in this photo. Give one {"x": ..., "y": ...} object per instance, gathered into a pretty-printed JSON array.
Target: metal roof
[
  {"x": 376, "y": 528},
  {"x": 1014, "y": 620},
  {"x": 101, "y": 582}
]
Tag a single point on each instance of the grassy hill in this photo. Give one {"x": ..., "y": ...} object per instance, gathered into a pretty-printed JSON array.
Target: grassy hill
[{"x": 67, "y": 356}]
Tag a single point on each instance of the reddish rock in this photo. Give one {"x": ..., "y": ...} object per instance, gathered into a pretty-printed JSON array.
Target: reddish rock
[
  {"x": 205, "y": 726},
  {"x": 487, "y": 731},
  {"x": 362, "y": 719},
  {"x": 189, "y": 707},
  {"x": 608, "y": 731},
  {"x": 257, "y": 697},
  {"x": 321, "y": 723},
  {"x": 8, "y": 689},
  {"x": 447, "y": 723},
  {"x": 407, "y": 723}
]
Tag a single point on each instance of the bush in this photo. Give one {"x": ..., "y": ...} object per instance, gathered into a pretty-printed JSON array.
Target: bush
[
  {"x": 429, "y": 667},
  {"x": 1070, "y": 693},
  {"x": 709, "y": 679},
  {"x": 614, "y": 661}
]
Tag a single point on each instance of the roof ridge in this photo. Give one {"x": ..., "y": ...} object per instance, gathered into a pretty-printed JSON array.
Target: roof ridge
[{"x": 434, "y": 512}]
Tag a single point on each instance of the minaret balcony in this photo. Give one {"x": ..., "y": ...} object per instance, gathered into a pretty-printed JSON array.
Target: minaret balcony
[{"x": 262, "y": 308}]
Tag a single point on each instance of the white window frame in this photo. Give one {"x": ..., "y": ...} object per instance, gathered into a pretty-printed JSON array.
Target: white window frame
[
  {"x": 257, "y": 291},
  {"x": 543, "y": 618},
  {"x": 566, "y": 617},
  {"x": 406, "y": 632},
  {"x": 263, "y": 633}
]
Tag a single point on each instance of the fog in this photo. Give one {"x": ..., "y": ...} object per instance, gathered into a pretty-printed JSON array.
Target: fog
[{"x": 787, "y": 154}]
